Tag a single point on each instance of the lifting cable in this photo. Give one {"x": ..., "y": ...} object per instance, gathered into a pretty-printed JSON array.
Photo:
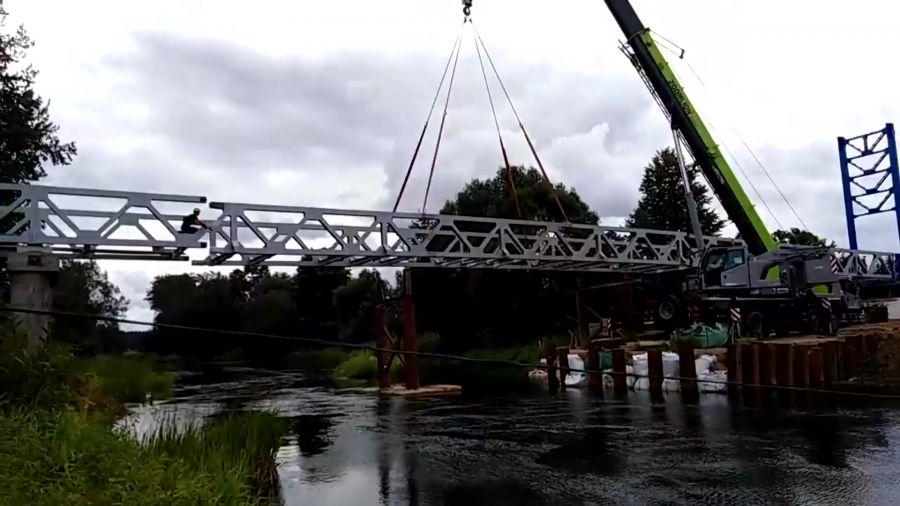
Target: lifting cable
[
  {"x": 437, "y": 145},
  {"x": 415, "y": 155},
  {"x": 737, "y": 162},
  {"x": 509, "y": 176},
  {"x": 521, "y": 125},
  {"x": 454, "y": 60},
  {"x": 680, "y": 54}
]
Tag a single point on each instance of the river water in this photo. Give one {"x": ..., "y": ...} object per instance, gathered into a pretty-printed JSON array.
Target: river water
[{"x": 572, "y": 449}]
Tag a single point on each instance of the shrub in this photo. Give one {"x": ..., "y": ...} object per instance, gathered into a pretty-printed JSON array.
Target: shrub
[{"x": 359, "y": 365}]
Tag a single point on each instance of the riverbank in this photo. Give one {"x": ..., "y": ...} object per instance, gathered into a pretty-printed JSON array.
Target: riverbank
[{"x": 59, "y": 443}]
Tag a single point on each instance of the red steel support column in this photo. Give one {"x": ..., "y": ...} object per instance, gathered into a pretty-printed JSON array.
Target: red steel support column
[
  {"x": 383, "y": 342},
  {"x": 584, "y": 323},
  {"x": 410, "y": 336},
  {"x": 688, "y": 371},
  {"x": 552, "y": 379},
  {"x": 655, "y": 370},
  {"x": 562, "y": 355},
  {"x": 734, "y": 365},
  {"x": 595, "y": 377},
  {"x": 620, "y": 383}
]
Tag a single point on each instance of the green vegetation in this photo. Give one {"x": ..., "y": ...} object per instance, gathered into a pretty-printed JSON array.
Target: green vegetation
[
  {"x": 236, "y": 450},
  {"x": 662, "y": 205},
  {"x": 797, "y": 236},
  {"x": 130, "y": 378},
  {"x": 359, "y": 365},
  {"x": 58, "y": 444},
  {"x": 65, "y": 457}
]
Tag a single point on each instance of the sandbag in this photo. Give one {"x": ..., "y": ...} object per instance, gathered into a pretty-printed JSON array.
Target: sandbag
[
  {"x": 670, "y": 364},
  {"x": 704, "y": 363},
  {"x": 702, "y": 336},
  {"x": 641, "y": 367},
  {"x": 712, "y": 381},
  {"x": 671, "y": 385}
]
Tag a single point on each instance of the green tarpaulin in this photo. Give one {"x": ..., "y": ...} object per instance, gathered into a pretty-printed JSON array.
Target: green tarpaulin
[{"x": 702, "y": 336}]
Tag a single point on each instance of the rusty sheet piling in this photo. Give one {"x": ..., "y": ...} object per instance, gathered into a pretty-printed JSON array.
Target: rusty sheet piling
[
  {"x": 595, "y": 377},
  {"x": 689, "y": 391},
  {"x": 620, "y": 381},
  {"x": 562, "y": 356}
]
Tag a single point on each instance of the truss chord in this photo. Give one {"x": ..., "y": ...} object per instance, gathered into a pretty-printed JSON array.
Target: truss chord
[
  {"x": 521, "y": 124},
  {"x": 437, "y": 94}
]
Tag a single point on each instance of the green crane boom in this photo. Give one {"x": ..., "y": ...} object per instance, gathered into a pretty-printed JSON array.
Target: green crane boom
[{"x": 648, "y": 59}]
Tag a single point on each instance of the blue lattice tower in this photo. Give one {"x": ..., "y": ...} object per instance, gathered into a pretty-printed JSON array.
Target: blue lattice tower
[{"x": 870, "y": 175}]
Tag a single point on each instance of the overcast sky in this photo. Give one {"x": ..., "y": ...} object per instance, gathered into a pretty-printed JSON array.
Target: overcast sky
[{"x": 320, "y": 103}]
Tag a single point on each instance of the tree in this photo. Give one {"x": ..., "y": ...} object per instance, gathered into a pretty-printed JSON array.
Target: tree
[
  {"x": 354, "y": 303},
  {"x": 313, "y": 294},
  {"x": 662, "y": 205},
  {"x": 498, "y": 308},
  {"x": 492, "y": 198},
  {"x": 796, "y": 236},
  {"x": 27, "y": 136},
  {"x": 85, "y": 289}
]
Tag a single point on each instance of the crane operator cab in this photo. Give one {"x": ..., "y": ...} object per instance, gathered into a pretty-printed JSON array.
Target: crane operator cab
[
  {"x": 781, "y": 271},
  {"x": 724, "y": 266}
]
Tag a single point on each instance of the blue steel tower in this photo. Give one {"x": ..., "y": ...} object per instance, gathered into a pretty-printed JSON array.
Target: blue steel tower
[{"x": 870, "y": 175}]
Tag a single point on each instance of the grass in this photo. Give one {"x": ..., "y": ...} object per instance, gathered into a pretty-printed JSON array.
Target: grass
[
  {"x": 66, "y": 457},
  {"x": 362, "y": 365},
  {"x": 238, "y": 449},
  {"x": 59, "y": 444},
  {"x": 127, "y": 378}
]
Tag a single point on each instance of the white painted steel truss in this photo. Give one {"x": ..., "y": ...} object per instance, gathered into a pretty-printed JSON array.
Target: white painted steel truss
[
  {"x": 88, "y": 223},
  {"x": 280, "y": 235}
]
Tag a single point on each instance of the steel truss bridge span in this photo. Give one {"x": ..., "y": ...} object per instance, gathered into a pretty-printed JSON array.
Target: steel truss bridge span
[{"x": 104, "y": 224}]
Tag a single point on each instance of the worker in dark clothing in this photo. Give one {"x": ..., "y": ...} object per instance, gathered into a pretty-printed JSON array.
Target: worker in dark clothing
[{"x": 191, "y": 223}]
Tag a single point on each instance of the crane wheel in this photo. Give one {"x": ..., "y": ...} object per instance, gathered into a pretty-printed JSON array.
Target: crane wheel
[{"x": 667, "y": 311}]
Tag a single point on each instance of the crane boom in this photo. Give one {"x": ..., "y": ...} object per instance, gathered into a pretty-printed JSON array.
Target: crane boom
[{"x": 648, "y": 59}]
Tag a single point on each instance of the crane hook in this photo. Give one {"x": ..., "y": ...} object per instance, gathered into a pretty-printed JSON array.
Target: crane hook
[{"x": 467, "y": 7}]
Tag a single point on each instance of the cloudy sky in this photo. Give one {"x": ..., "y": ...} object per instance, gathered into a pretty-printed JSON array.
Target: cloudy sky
[{"x": 320, "y": 103}]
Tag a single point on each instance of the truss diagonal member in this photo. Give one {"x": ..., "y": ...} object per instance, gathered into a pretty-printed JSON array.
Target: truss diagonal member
[
  {"x": 20, "y": 202},
  {"x": 58, "y": 213},
  {"x": 114, "y": 219}
]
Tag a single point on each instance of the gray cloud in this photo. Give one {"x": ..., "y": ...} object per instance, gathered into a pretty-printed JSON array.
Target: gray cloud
[
  {"x": 215, "y": 119},
  {"x": 227, "y": 122}
]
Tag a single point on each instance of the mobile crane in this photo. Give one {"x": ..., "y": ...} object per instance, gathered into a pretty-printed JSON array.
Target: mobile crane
[{"x": 775, "y": 287}]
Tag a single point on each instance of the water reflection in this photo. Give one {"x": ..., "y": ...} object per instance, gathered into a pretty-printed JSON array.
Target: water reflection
[
  {"x": 574, "y": 448},
  {"x": 312, "y": 433}
]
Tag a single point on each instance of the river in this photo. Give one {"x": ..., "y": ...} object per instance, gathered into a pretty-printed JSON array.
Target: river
[{"x": 572, "y": 449}]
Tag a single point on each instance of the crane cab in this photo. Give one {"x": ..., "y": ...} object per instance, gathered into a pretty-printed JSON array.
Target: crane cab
[{"x": 725, "y": 266}]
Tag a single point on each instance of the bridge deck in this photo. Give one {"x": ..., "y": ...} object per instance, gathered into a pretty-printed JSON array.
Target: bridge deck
[{"x": 101, "y": 224}]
